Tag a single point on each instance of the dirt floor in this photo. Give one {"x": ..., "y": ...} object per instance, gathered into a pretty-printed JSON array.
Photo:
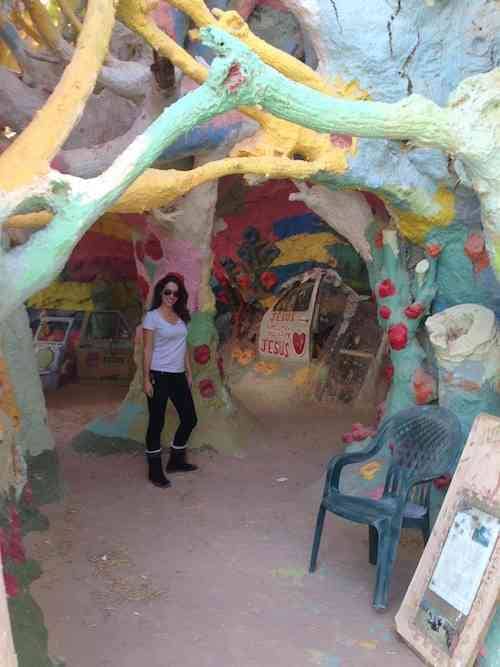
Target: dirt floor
[{"x": 213, "y": 571}]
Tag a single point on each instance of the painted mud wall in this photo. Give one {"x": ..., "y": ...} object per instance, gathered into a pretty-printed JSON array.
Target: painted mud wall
[{"x": 263, "y": 238}]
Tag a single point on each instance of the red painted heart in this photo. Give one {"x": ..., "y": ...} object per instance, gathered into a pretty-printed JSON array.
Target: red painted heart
[{"x": 299, "y": 342}]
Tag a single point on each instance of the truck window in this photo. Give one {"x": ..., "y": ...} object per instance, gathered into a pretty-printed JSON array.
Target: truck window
[
  {"x": 297, "y": 298},
  {"x": 285, "y": 304},
  {"x": 331, "y": 306},
  {"x": 331, "y": 303},
  {"x": 52, "y": 331},
  {"x": 303, "y": 296}
]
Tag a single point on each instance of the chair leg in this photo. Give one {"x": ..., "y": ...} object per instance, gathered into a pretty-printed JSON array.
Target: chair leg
[
  {"x": 389, "y": 535},
  {"x": 372, "y": 545},
  {"x": 317, "y": 538}
]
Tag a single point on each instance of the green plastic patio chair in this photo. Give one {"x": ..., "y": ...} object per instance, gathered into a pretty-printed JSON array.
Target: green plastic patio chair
[{"x": 426, "y": 443}]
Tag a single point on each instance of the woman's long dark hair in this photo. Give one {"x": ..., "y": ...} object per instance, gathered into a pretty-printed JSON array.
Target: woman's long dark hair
[{"x": 180, "y": 306}]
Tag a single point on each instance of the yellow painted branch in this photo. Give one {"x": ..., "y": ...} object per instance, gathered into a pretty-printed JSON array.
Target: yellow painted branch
[
  {"x": 233, "y": 23},
  {"x": 157, "y": 187},
  {"x": 22, "y": 24},
  {"x": 280, "y": 138},
  {"x": 43, "y": 23},
  {"x": 136, "y": 17},
  {"x": 197, "y": 10},
  {"x": 30, "y": 154},
  {"x": 288, "y": 65},
  {"x": 70, "y": 15}
]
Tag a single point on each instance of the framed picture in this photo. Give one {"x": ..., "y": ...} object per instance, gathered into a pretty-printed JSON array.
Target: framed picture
[{"x": 452, "y": 597}]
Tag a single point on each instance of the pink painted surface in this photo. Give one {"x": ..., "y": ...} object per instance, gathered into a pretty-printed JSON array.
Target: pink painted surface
[
  {"x": 156, "y": 255},
  {"x": 98, "y": 253}
]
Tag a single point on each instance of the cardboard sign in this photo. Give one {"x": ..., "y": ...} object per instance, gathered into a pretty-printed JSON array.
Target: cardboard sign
[{"x": 452, "y": 598}]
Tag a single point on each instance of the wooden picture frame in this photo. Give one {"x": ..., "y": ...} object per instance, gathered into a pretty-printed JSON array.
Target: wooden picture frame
[{"x": 452, "y": 597}]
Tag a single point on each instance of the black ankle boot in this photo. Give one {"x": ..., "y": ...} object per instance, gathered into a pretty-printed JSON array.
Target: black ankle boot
[
  {"x": 177, "y": 461},
  {"x": 156, "y": 474}
]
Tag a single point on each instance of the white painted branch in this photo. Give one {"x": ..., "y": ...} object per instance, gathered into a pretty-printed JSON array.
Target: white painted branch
[
  {"x": 126, "y": 78},
  {"x": 346, "y": 212},
  {"x": 18, "y": 102},
  {"x": 88, "y": 162}
]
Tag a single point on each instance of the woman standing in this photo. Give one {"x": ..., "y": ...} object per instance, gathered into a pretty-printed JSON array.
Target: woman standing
[{"x": 167, "y": 374}]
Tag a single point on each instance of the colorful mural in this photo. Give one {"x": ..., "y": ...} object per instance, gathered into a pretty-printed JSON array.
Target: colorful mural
[{"x": 264, "y": 240}]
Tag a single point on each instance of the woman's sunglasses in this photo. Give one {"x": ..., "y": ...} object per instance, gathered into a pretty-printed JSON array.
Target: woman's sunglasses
[{"x": 170, "y": 292}]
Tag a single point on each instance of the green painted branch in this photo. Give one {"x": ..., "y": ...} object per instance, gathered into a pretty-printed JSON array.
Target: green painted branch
[
  {"x": 78, "y": 203},
  {"x": 466, "y": 128},
  {"x": 414, "y": 118}
]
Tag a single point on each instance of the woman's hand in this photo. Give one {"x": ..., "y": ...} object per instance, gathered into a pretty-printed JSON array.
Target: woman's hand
[
  {"x": 148, "y": 387},
  {"x": 189, "y": 377}
]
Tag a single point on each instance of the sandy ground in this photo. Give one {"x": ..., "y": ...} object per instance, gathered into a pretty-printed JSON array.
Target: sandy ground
[{"x": 213, "y": 571}]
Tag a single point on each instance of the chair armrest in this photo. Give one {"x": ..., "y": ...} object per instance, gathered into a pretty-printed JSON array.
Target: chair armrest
[{"x": 336, "y": 463}]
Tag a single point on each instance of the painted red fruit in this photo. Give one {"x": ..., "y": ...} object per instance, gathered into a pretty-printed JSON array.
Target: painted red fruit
[
  {"x": 201, "y": 354},
  {"x": 268, "y": 279},
  {"x": 379, "y": 240},
  {"x": 11, "y": 585},
  {"x": 385, "y": 312},
  {"x": 207, "y": 388},
  {"x": 386, "y": 288},
  {"x": 414, "y": 310},
  {"x": 244, "y": 281},
  {"x": 221, "y": 277},
  {"x": 398, "y": 336},
  {"x": 223, "y": 298},
  {"x": 442, "y": 482},
  {"x": 433, "y": 249}
]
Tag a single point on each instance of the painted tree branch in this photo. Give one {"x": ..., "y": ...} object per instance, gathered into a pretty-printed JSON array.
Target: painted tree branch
[
  {"x": 157, "y": 187},
  {"x": 235, "y": 25},
  {"x": 412, "y": 205},
  {"x": 234, "y": 79},
  {"x": 51, "y": 126},
  {"x": 270, "y": 89},
  {"x": 278, "y": 138},
  {"x": 18, "y": 102},
  {"x": 463, "y": 129},
  {"x": 68, "y": 12},
  {"x": 126, "y": 78}
]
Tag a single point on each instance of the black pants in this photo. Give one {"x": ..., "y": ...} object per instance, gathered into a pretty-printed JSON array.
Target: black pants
[{"x": 174, "y": 386}]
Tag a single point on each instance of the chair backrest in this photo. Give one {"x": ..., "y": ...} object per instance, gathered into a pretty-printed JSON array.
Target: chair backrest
[{"x": 426, "y": 441}]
